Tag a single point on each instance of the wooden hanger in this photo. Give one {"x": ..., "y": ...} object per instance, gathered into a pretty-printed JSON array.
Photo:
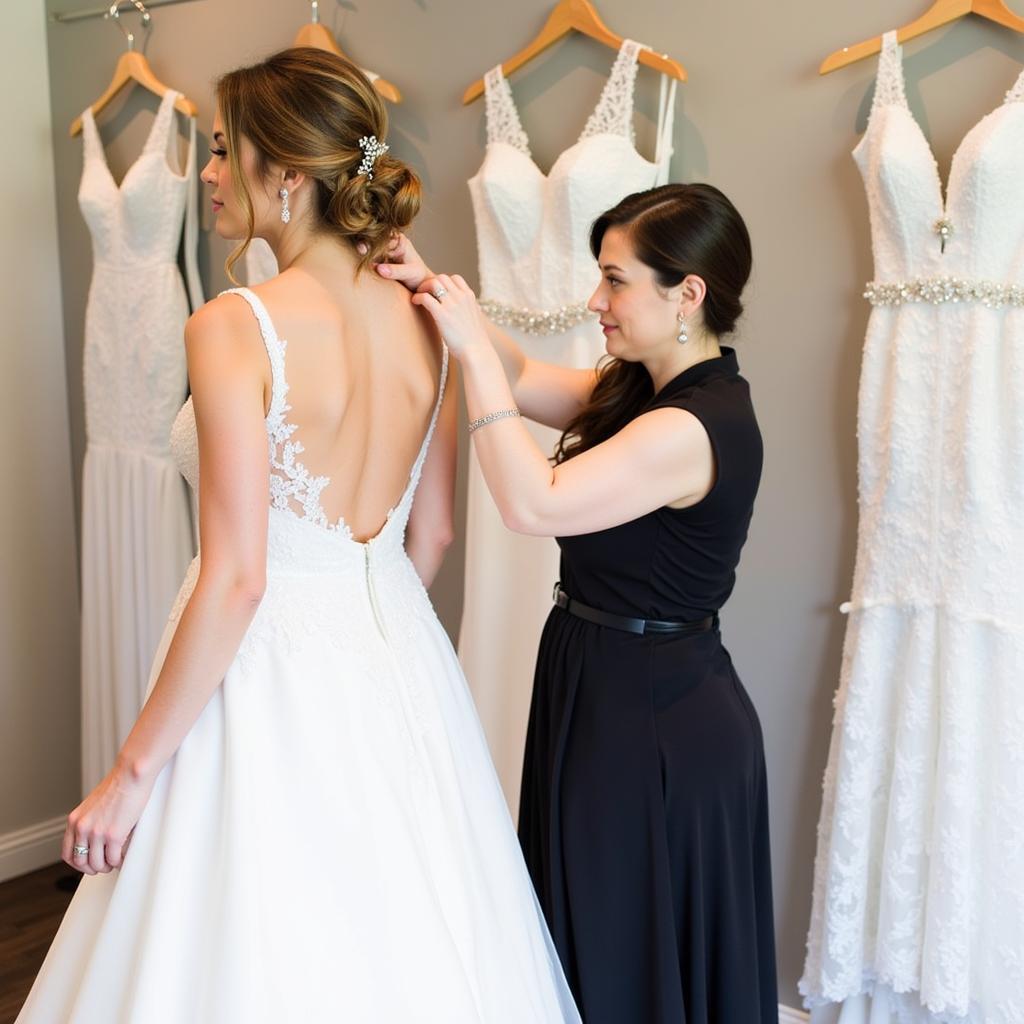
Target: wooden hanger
[
  {"x": 942, "y": 12},
  {"x": 320, "y": 38},
  {"x": 132, "y": 67},
  {"x": 576, "y": 16}
]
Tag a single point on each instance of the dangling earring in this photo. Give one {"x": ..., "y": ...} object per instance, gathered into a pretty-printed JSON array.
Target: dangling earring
[
  {"x": 286, "y": 214},
  {"x": 682, "y": 337}
]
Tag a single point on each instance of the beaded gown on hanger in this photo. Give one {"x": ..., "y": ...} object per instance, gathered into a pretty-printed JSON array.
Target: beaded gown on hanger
[
  {"x": 536, "y": 274},
  {"x": 136, "y": 528},
  {"x": 918, "y": 911},
  {"x": 330, "y": 841}
]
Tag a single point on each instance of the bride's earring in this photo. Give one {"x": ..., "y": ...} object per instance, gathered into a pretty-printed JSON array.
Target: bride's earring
[
  {"x": 682, "y": 337},
  {"x": 286, "y": 214}
]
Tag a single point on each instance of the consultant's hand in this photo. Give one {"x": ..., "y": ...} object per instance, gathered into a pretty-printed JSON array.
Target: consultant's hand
[
  {"x": 452, "y": 304},
  {"x": 104, "y": 822},
  {"x": 404, "y": 264}
]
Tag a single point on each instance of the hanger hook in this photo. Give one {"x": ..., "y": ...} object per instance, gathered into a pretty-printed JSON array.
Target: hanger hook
[
  {"x": 115, "y": 14},
  {"x": 315, "y": 13}
]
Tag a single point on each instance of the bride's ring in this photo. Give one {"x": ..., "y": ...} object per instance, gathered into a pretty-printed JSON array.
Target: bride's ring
[
  {"x": 440, "y": 292},
  {"x": 81, "y": 851}
]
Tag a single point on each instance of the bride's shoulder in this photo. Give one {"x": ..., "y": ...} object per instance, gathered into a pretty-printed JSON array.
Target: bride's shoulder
[{"x": 225, "y": 323}]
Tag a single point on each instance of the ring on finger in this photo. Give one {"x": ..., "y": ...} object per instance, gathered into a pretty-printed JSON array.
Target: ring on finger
[
  {"x": 440, "y": 292},
  {"x": 80, "y": 851}
]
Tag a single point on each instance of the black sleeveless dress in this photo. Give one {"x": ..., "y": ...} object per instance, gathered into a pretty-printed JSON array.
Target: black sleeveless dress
[{"x": 644, "y": 813}]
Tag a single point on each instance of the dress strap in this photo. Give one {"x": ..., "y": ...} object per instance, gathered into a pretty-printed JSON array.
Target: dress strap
[
  {"x": 161, "y": 133},
  {"x": 503, "y": 124},
  {"x": 191, "y": 240},
  {"x": 890, "y": 90},
  {"x": 275, "y": 352},
  {"x": 666, "y": 119},
  {"x": 92, "y": 143},
  {"x": 613, "y": 114},
  {"x": 417, "y": 468}
]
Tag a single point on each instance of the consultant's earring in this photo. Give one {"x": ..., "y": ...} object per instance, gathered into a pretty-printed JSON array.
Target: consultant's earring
[
  {"x": 682, "y": 337},
  {"x": 286, "y": 214}
]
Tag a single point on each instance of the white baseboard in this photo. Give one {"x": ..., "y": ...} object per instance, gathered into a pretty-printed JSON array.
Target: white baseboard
[
  {"x": 787, "y": 1015},
  {"x": 31, "y": 848}
]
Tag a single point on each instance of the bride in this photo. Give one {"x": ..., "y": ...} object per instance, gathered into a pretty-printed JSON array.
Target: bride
[{"x": 304, "y": 821}]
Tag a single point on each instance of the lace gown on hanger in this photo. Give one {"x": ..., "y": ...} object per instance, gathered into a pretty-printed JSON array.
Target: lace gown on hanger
[
  {"x": 918, "y": 909},
  {"x": 136, "y": 530},
  {"x": 536, "y": 274},
  {"x": 330, "y": 842}
]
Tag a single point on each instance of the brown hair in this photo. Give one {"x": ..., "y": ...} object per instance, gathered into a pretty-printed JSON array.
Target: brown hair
[
  {"x": 307, "y": 109},
  {"x": 676, "y": 230}
]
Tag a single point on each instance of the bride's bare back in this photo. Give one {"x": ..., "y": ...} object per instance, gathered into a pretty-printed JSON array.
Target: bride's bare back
[{"x": 363, "y": 368}]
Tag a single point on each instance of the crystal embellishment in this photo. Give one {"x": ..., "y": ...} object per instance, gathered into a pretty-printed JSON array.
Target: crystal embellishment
[
  {"x": 537, "y": 321},
  {"x": 944, "y": 229},
  {"x": 939, "y": 290},
  {"x": 372, "y": 149}
]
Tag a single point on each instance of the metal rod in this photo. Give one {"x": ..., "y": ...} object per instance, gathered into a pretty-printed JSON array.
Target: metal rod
[{"x": 122, "y": 8}]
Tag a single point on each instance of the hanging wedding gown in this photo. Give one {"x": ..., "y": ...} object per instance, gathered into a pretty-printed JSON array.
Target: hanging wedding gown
[
  {"x": 136, "y": 530},
  {"x": 918, "y": 911},
  {"x": 330, "y": 842},
  {"x": 536, "y": 274}
]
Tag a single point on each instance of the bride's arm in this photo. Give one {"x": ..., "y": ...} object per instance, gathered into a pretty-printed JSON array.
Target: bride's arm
[
  {"x": 544, "y": 392},
  {"x": 227, "y": 373},
  {"x": 431, "y": 526}
]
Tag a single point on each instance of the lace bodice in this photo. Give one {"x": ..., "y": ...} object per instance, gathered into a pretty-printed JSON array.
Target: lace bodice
[
  {"x": 134, "y": 361},
  {"x": 533, "y": 227},
  {"x": 981, "y": 209},
  {"x": 294, "y": 491}
]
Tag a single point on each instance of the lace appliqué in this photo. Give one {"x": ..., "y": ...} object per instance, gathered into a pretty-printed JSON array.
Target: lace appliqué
[
  {"x": 503, "y": 124},
  {"x": 890, "y": 90},
  {"x": 290, "y": 482},
  {"x": 613, "y": 114}
]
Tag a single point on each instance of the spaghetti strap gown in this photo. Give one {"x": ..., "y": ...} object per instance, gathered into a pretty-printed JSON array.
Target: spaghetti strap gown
[
  {"x": 330, "y": 842},
  {"x": 644, "y": 814}
]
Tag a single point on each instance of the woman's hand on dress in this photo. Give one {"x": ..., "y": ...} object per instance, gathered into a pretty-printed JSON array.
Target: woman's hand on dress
[
  {"x": 452, "y": 304},
  {"x": 104, "y": 822}
]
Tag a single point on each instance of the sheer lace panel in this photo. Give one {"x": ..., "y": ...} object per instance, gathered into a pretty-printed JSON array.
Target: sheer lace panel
[
  {"x": 503, "y": 124},
  {"x": 292, "y": 487},
  {"x": 613, "y": 114},
  {"x": 889, "y": 87}
]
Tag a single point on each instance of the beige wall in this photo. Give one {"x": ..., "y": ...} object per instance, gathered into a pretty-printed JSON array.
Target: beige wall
[
  {"x": 754, "y": 119},
  {"x": 38, "y": 581}
]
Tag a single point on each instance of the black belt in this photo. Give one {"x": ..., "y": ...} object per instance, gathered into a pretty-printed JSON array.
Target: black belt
[{"x": 628, "y": 625}]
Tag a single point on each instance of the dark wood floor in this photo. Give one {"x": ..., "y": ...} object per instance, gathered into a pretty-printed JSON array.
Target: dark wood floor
[{"x": 30, "y": 911}]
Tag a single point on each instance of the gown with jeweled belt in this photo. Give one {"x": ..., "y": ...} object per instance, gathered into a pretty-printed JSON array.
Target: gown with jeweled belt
[
  {"x": 918, "y": 910},
  {"x": 536, "y": 274}
]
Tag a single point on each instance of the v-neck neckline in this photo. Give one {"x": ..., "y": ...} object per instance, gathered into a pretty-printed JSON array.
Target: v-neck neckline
[
  {"x": 943, "y": 187},
  {"x": 147, "y": 148},
  {"x": 582, "y": 134}
]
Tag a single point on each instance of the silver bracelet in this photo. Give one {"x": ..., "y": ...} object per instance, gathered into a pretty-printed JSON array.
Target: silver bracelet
[{"x": 491, "y": 417}]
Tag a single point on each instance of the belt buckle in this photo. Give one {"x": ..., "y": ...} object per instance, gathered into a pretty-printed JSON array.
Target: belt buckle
[{"x": 555, "y": 591}]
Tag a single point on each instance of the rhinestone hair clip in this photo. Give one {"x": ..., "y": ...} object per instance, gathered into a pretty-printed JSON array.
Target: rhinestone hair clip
[{"x": 371, "y": 150}]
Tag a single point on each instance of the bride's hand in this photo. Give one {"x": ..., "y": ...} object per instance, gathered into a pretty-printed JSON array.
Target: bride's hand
[
  {"x": 452, "y": 304},
  {"x": 404, "y": 264},
  {"x": 104, "y": 822}
]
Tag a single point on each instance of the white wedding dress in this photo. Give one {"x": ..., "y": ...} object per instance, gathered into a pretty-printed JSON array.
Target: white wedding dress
[
  {"x": 918, "y": 911},
  {"x": 136, "y": 526},
  {"x": 536, "y": 274},
  {"x": 330, "y": 842}
]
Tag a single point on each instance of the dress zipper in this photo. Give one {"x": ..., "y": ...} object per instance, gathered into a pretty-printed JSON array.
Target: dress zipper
[{"x": 371, "y": 594}]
